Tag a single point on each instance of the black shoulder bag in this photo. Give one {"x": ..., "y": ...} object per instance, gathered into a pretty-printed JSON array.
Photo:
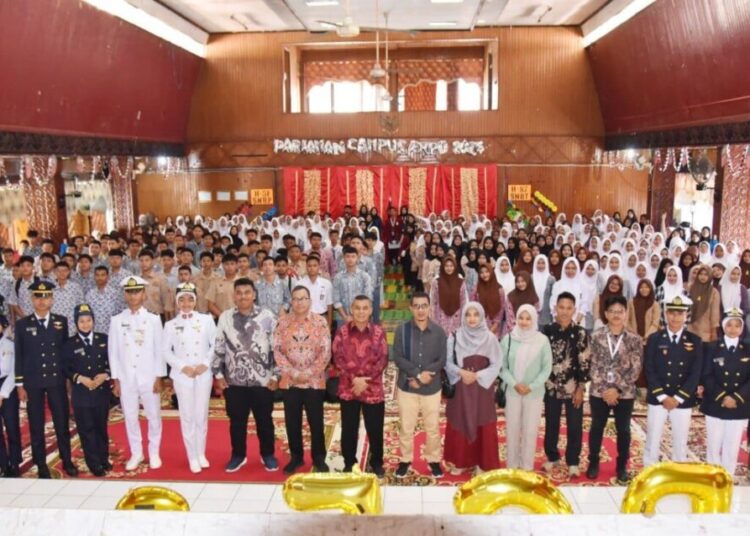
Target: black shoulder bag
[
  {"x": 500, "y": 392},
  {"x": 448, "y": 388}
]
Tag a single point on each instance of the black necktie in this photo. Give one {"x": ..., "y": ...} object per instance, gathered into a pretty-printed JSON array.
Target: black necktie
[
  {"x": 731, "y": 348},
  {"x": 43, "y": 323},
  {"x": 86, "y": 342},
  {"x": 674, "y": 339}
]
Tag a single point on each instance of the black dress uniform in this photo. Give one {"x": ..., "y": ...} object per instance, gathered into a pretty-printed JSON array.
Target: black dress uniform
[
  {"x": 726, "y": 373},
  {"x": 87, "y": 355},
  {"x": 39, "y": 370},
  {"x": 10, "y": 425},
  {"x": 673, "y": 367}
]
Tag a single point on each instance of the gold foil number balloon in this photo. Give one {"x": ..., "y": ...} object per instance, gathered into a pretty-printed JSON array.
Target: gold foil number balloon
[
  {"x": 708, "y": 486},
  {"x": 353, "y": 493},
  {"x": 153, "y": 498},
  {"x": 489, "y": 492}
]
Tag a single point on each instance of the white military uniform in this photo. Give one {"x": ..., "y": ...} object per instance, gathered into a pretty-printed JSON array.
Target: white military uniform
[
  {"x": 135, "y": 346},
  {"x": 7, "y": 367},
  {"x": 189, "y": 341}
]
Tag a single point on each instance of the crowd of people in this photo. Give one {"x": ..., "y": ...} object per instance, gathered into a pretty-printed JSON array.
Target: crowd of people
[{"x": 538, "y": 316}]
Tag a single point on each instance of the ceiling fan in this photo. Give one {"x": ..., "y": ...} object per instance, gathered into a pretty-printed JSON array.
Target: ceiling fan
[{"x": 348, "y": 29}]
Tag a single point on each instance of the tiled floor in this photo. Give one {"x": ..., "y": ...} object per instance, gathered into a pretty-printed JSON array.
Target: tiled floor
[{"x": 260, "y": 498}]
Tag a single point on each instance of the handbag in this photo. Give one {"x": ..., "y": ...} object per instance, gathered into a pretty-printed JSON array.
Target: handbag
[
  {"x": 448, "y": 389},
  {"x": 500, "y": 398},
  {"x": 332, "y": 390}
]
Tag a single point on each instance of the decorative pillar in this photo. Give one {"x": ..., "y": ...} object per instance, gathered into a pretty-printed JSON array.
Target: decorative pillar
[
  {"x": 39, "y": 178},
  {"x": 661, "y": 194},
  {"x": 735, "y": 196},
  {"x": 122, "y": 193}
]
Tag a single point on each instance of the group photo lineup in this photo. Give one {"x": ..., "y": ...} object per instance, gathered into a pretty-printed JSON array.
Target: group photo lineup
[{"x": 456, "y": 266}]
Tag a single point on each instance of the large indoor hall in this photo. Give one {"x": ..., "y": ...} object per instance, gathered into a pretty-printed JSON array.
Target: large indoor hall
[{"x": 374, "y": 267}]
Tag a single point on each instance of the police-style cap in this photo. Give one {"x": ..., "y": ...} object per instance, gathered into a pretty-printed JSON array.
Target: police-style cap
[
  {"x": 733, "y": 313},
  {"x": 133, "y": 283},
  {"x": 41, "y": 288},
  {"x": 82, "y": 310},
  {"x": 679, "y": 303},
  {"x": 187, "y": 288}
]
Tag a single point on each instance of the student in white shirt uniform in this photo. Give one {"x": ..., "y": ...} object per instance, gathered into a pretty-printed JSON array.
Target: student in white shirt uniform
[
  {"x": 188, "y": 348},
  {"x": 137, "y": 366},
  {"x": 321, "y": 289}
]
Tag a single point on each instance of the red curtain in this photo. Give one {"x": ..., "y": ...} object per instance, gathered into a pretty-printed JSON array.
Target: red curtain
[{"x": 458, "y": 188}]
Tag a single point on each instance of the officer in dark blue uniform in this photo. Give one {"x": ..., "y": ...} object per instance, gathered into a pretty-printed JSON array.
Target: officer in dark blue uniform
[
  {"x": 40, "y": 375},
  {"x": 10, "y": 448},
  {"x": 86, "y": 360},
  {"x": 726, "y": 396},
  {"x": 673, "y": 361}
]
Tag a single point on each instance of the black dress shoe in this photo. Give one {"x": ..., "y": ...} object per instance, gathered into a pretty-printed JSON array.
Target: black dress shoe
[
  {"x": 592, "y": 473},
  {"x": 379, "y": 470},
  {"x": 12, "y": 471},
  {"x": 292, "y": 466},
  {"x": 98, "y": 471},
  {"x": 321, "y": 467},
  {"x": 107, "y": 466},
  {"x": 623, "y": 477},
  {"x": 70, "y": 470},
  {"x": 44, "y": 472}
]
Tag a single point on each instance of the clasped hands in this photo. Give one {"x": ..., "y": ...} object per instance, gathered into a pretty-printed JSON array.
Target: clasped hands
[
  {"x": 422, "y": 378},
  {"x": 194, "y": 372},
  {"x": 95, "y": 382}
]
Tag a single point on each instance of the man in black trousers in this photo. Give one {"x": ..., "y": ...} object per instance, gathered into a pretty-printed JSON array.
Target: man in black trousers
[
  {"x": 10, "y": 449},
  {"x": 86, "y": 359},
  {"x": 40, "y": 375}
]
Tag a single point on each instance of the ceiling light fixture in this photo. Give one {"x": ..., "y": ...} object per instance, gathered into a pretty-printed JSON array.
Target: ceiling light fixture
[
  {"x": 321, "y": 3},
  {"x": 446, "y": 1},
  {"x": 442, "y": 24},
  {"x": 610, "y": 17},
  {"x": 177, "y": 31}
]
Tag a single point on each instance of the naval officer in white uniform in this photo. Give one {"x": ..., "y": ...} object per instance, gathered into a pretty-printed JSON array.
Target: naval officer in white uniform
[
  {"x": 137, "y": 367},
  {"x": 188, "y": 347}
]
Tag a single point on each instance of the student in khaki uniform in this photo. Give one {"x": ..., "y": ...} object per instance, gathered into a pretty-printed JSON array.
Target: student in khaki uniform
[
  {"x": 221, "y": 293},
  {"x": 204, "y": 280},
  {"x": 158, "y": 294}
]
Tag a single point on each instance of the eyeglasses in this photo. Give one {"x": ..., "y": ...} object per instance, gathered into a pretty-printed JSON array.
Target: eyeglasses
[
  {"x": 421, "y": 306},
  {"x": 300, "y": 299}
]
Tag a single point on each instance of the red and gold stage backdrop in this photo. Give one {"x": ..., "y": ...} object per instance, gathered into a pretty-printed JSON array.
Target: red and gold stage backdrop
[{"x": 459, "y": 189}]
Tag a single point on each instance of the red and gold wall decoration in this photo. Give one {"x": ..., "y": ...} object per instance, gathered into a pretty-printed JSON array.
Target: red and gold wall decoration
[{"x": 459, "y": 189}]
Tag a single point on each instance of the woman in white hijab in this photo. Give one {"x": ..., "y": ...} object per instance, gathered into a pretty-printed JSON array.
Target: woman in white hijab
[
  {"x": 543, "y": 283},
  {"x": 614, "y": 267},
  {"x": 671, "y": 287},
  {"x": 473, "y": 365},
  {"x": 570, "y": 281},
  {"x": 733, "y": 293},
  {"x": 527, "y": 363},
  {"x": 504, "y": 274},
  {"x": 589, "y": 284}
]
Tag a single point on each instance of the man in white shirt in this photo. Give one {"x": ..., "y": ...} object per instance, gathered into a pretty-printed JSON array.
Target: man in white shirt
[
  {"x": 137, "y": 367},
  {"x": 321, "y": 289}
]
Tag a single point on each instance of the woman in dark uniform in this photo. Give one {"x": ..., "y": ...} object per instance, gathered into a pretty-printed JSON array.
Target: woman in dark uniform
[{"x": 726, "y": 398}]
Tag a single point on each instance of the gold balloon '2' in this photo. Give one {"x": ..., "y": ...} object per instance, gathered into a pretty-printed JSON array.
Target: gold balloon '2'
[
  {"x": 708, "y": 486},
  {"x": 153, "y": 498},
  {"x": 353, "y": 493},
  {"x": 489, "y": 492}
]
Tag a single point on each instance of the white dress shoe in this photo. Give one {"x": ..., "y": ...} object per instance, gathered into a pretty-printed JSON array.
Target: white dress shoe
[
  {"x": 133, "y": 462},
  {"x": 203, "y": 462},
  {"x": 154, "y": 461},
  {"x": 195, "y": 467}
]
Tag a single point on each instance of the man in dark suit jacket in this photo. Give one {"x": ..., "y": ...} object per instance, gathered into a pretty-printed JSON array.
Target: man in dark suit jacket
[
  {"x": 86, "y": 362},
  {"x": 39, "y": 376},
  {"x": 673, "y": 363}
]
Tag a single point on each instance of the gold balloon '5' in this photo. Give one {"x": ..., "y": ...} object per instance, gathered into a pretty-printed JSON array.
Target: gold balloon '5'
[
  {"x": 489, "y": 492},
  {"x": 708, "y": 486},
  {"x": 354, "y": 493}
]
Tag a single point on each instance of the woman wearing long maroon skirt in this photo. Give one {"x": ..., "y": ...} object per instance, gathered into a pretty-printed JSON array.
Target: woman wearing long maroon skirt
[{"x": 473, "y": 365}]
